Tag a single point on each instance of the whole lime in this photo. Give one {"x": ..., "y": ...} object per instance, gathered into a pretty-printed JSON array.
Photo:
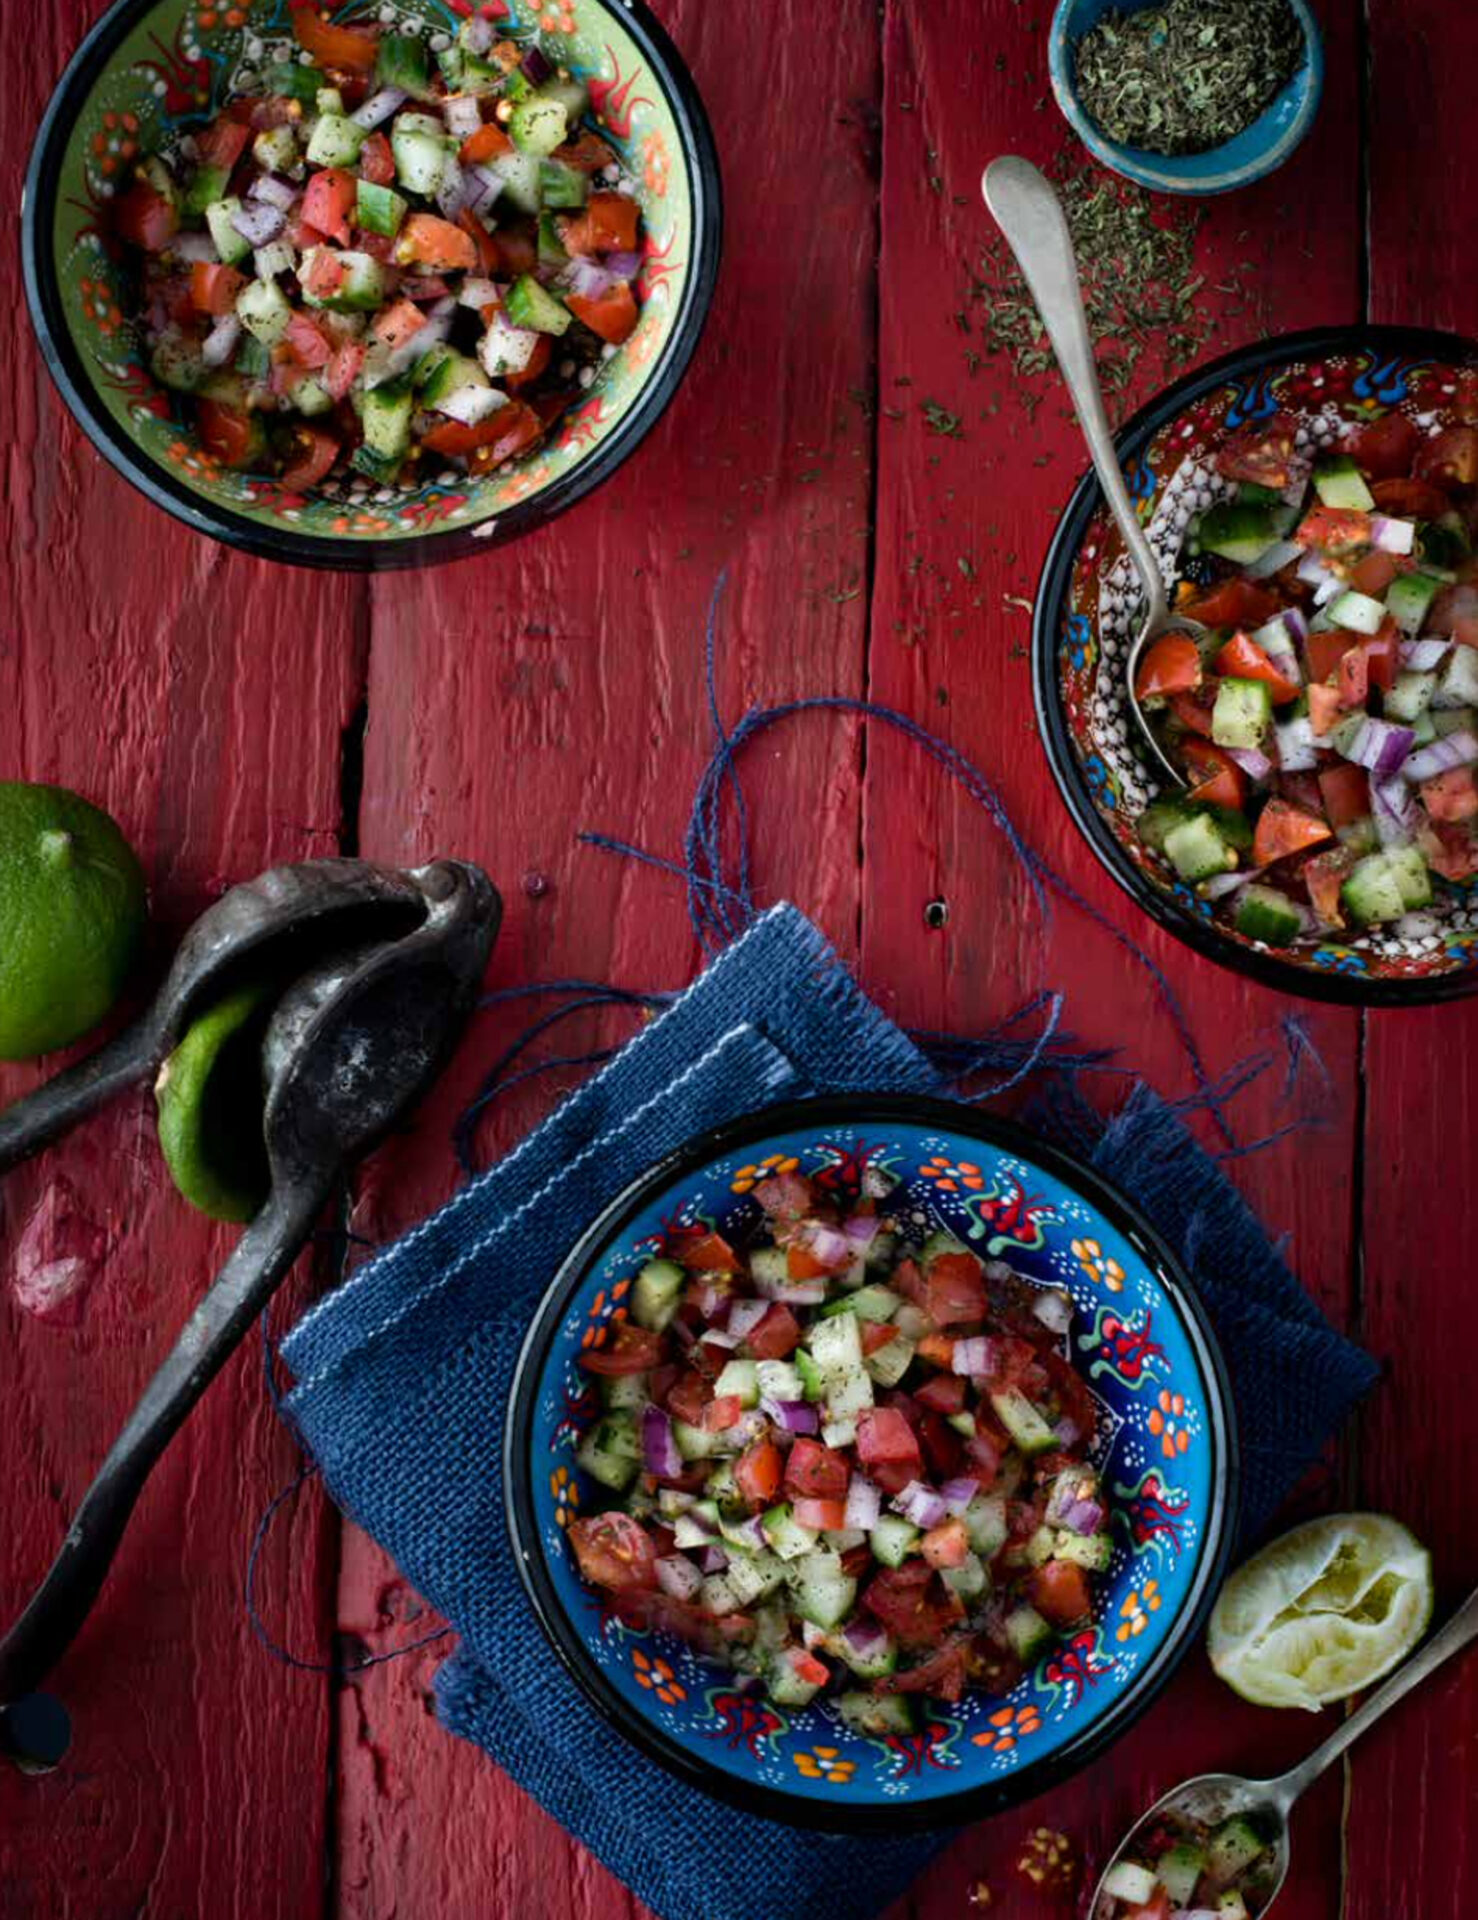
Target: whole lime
[
  {"x": 72, "y": 911},
  {"x": 211, "y": 1100}
]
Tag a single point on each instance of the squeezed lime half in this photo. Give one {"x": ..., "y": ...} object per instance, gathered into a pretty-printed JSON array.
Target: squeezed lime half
[{"x": 211, "y": 1099}]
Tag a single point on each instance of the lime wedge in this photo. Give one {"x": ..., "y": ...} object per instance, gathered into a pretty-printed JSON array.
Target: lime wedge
[
  {"x": 1322, "y": 1612},
  {"x": 210, "y": 1099}
]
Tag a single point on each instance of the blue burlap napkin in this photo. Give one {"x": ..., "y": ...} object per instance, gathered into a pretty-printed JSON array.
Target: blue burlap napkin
[{"x": 402, "y": 1380}]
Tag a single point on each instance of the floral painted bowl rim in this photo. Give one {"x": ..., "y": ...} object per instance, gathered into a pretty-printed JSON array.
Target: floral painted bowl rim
[
  {"x": 794, "y": 1808},
  {"x": 388, "y": 553},
  {"x": 1053, "y": 595}
]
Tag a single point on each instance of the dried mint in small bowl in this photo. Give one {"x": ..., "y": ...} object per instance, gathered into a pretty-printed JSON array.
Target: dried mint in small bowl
[{"x": 1188, "y": 76}]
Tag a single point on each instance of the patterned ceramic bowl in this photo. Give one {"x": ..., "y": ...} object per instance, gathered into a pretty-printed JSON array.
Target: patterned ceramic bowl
[
  {"x": 1166, "y": 1449},
  {"x": 1084, "y": 618},
  {"x": 152, "y": 68}
]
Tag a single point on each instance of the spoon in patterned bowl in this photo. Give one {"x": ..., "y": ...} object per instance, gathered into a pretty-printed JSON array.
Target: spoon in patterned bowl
[
  {"x": 1264, "y": 1805},
  {"x": 1030, "y": 215}
]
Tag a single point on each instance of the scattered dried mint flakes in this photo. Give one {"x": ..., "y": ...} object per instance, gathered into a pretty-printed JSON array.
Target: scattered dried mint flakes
[
  {"x": 1188, "y": 76},
  {"x": 1137, "y": 265}
]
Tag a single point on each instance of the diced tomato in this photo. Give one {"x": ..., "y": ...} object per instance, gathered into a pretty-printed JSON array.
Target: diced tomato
[
  {"x": 1172, "y": 665},
  {"x": 223, "y": 143},
  {"x": 587, "y": 154},
  {"x": 398, "y": 323},
  {"x": 483, "y": 242},
  {"x": 942, "y": 1393},
  {"x": 722, "y": 1412},
  {"x": 1059, "y": 1592},
  {"x": 1449, "y": 459},
  {"x": 343, "y": 368},
  {"x": 876, "y": 1334},
  {"x": 612, "y": 315},
  {"x": 785, "y": 1196},
  {"x": 538, "y": 363},
  {"x": 144, "y": 218},
  {"x": 908, "y": 1279},
  {"x": 1345, "y": 792},
  {"x": 633, "y": 1350},
  {"x": 757, "y": 1472},
  {"x": 806, "y": 1667},
  {"x": 857, "y": 1561},
  {"x": 613, "y": 1551},
  {"x": 227, "y": 433},
  {"x": 356, "y": 49},
  {"x": 1263, "y": 456},
  {"x": 1217, "y": 780},
  {"x": 947, "y": 1544},
  {"x": 518, "y": 251},
  {"x": 1324, "y": 707},
  {"x": 1233, "y": 603},
  {"x": 822, "y": 1515},
  {"x": 608, "y": 225},
  {"x": 377, "y": 161},
  {"x": 302, "y": 238},
  {"x": 1301, "y": 790},
  {"x": 314, "y": 451},
  {"x": 1334, "y": 530},
  {"x": 521, "y": 428},
  {"x": 1449, "y": 850},
  {"x": 1410, "y": 499},
  {"x": 687, "y": 1397},
  {"x": 436, "y": 243},
  {"x": 775, "y": 1337},
  {"x": 1453, "y": 607},
  {"x": 1281, "y": 830},
  {"x": 1325, "y": 650},
  {"x": 1383, "y": 655},
  {"x": 956, "y": 1289},
  {"x": 943, "y": 1448},
  {"x": 1243, "y": 659},
  {"x": 1324, "y": 876},
  {"x": 912, "y": 1604},
  {"x": 938, "y": 1349},
  {"x": 707, "y": 1253},
  {"x": 1465, "y": 631},
  {"x": 330, "y": 202},
  {"x": 943, "y": 1674},
  {"x": 310, "y": 345},
  {"x": 1452, "y": 795},
  {"x": 213, "y": 288},
  {"x": 1157, "y": 1907},
  {"x": 1386, "y": 448},
  {"x": 816, "y": 1472},
  {"x": 985, "y": 1452},
  {"x": 486, "y": 144},
  {"x": 1193, "y": 710},
  {"x": 888, "y": 1448},
  {"x": 802, "y": 1263}
]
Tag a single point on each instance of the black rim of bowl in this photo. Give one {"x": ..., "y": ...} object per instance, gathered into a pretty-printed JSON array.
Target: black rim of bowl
[
  {"x": 1310, "y": 982},
  {"x": 65, "y": 363},
  {"x": 793, "y": 1809}
]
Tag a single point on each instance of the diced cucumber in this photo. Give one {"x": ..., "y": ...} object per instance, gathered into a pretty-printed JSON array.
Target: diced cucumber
[
  {"x": 1091, "y": 1551},
  {"x": 690, "y": 1534},
  {"x": 985, "y": 1523},
  {"x": 571, "y": 93},
  {"x": 230, "y": 245},
  {"x": 1231, "y": 1906},
  {"x": 1269, "y": 916},
  {"x": 739, "y": 1380},
  {"x": 786, "y": 1535},
  {"x": 1373, "y": 893},
  {"x": 379, "y": 209},
  {"x": 552, "y": 254},
  {"x": 876, "y": 1715},
  {"x": 656, "y": 1294},
  {"x": 329, "y": 100},
  {"x": 539, "y": 124},
  {"x": 1022, "y": 1421},
  {"x": 386, "y": 417},
  {"x": 887, "y": 1365},
  {"x": 335, "y": 142},
  {"x": 1410, "y": 697},
  {"x": 1027, "y": 1633},
  {"x": 694, "y": 1443},
  {"x": 562, "y": 187},
  {"x": 718, "y": 1597},
  {"x": 1423, "y": 729},
  {"x": 623, "y": 1392},
  {"x": 275, "y": 150},
  {"x": 1040, "y": 1548},
  {"x": 175, "y": 363},
  {"x": 779, "y": 1380},
  {"x": 752, "y": 1575},
  {"x": 873, "y": 1302},
  {"x": 1161, "y": 817},
  {"x": 786, "y": 1687},
  {"x": 836, "y": 1345},
  {"x": 1409, "y": 870},
  {"x": 468, "y": 72},
  {"x": 383, "y": 472},
  {"x": 1126, "y": 1881},
  {"x": 1237, "y": 532},
  {"x": 311, "y": 397},
  {"x": 519, "y": 173},
  {"x": 419, "y": 145},
  {"x": 1356, "y": 612},
  {"x": 204, "y": 190},
  {"x": 611, "y": 1452},
  {"x": 1340, "y": 484},
  {"x": 1407, "y": 599},
  {"x": 1233, "y": 1848},
  {"x": 1454, "y": 720},
  {"x": 262, "y": 308},
  {"x": 529, "y": 305},
  {"x": 1444, "y": 543},
  {"x": 291, "y": 81},
  {"x": 1198, "y": 848},
  {"x": 1458, "y": 684},
  {"x": 937, "y": 1243},
  {"x": 824, "y": 1592},
  {"x": 1343, "y": 735},
  {"x": 867, "y": 1666},
  {"x": 963, "y": 1423},
  {"x": 1243, "y": 711},
  {"x": 1179, "y": 1870},
  {"x": 893, "y": 1539},
  {"x": 969, "y": 1579},
  {"x": 253, "y": 362},
  {"x": 811, "y": 1383},
  {"x": 404, "y": 62}
]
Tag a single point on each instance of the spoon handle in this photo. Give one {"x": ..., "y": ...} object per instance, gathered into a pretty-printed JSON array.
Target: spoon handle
[
  {"x": 1030, "y": 215},
  {"x": 60, "y": 1605},
  {"x": 39, "y": 1118},
  {"x": 1455, "y": 1635}
]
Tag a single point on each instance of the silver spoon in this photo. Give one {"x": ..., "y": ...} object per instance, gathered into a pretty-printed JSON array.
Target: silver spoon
[
  {"x": 1214, "y": 1797},
  {"x": 1030, "y": 215}
]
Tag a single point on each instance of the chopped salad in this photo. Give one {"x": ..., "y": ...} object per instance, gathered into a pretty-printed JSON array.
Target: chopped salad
[
  {"x": 385, "y": 258},
  {"x": 1328, "y": 727},
  {"x": 843, "y": 1462},
  {"x": 1185, "y": 1869}
]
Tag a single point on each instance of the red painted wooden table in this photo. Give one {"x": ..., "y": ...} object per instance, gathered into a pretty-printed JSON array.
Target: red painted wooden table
[{"x": 233, "y": 715}]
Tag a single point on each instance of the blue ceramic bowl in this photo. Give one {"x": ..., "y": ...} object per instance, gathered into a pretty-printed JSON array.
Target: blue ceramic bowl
[
  {"x": 1264, "y": 145},
  {"x": 1166, "y": 1448}
]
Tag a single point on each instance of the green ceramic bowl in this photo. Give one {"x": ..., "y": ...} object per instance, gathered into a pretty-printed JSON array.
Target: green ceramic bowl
[{"x": 152, "y": 68}]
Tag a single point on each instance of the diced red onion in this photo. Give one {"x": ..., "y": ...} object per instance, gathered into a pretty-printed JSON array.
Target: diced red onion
[
  {"x": 469, "y": 407},
  {"x": 477, "y": 33},
  {"x": 378, "y": 108},
  {"x": 1298, "y": 751},
  {"x": 257, "y": 223},
  {"x": 676, "y": 1575},
  {"x": 1278, "y": 641},
  {"x": 1393, "y": 808},
  {"x": 864, "y": 1635},
  {"x": 713, "y": 1559},
  {"x": 1421, "y": 656},
  {"x": 626, "y": 266},
  {"x": 861, "y": 1229},
  {"x": 920, "y": 1504},
  {"x": 864, "y": 1503},
  {"x": 1298, "y": 627},
  {"x": 752, "y": 1532},
  {"x": 1328, "y": 589},
  {"x": 791, "y": 1416},
  {"x": 1068, "y": 1432},
  {"x": 222, "y": 341},
  {"x": 659, "y": 1447},
  {"x": 195, "y": 247},
  {"x": 1451, "y": 750},
  {"x": 1220, "y": 885},
  {"x": 971, "y": 1356},
  {"x": 718, "y": 1336},
  {"x": 273, "y": 192},
  {"x": 478, "y": 293},
  {"x": 462, "y": 113},
  {"x": 451, "y": 194},
  {"x": 1392, "y": 536},
  {"x": 588, "y": 280},
  {"x": 1084, "y": 1517},
  {"x": 1313, "y": 572},
  {"x": 1381, "y": 746},
  {"x": 1253, "y": 762},
  {"x": 812, "y": 1636},
  {"x": 957, "y": 1494},
  {"x": 829, "y": 1246},
  {"x": 1274, "y": 559},
  {"x": 708, "y": 1300},
  {"x": 1054, "y": 1309},
  {"x": 483, "y": 187},
  {"x": 745, "y": 1316},
  {"x": 534, "y": 67},
  {"x": 749, "y": 1426}
]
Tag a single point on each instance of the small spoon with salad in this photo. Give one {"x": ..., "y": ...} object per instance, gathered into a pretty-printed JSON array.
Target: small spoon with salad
[
  {"x": 1216, "y": 1848},
  {"x": 1030, "y": 215}
]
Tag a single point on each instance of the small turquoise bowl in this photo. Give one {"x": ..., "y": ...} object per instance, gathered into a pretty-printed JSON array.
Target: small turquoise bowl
[
  {"x": 1166, "y": 1449},
  {"x": 1257, "y": 151}
]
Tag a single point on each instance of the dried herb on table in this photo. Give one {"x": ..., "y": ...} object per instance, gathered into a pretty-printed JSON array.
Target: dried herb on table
[{"x": 1188, "y": 76}]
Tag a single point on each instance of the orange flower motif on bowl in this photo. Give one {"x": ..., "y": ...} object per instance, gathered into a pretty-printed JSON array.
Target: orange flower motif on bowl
[
  {"x": 1101, "y": 1268},
  {"x": 824, "y": 1763},
  {"x": 606, "y": 1312},
  {"x": 1168, "y": 1423},
  {"x": 557, "y": 16},
  {"x": 1135, "y": 1610},
  {"x": 656, "y": 165},
  {"x": 658, "y": 1678},
  {"x": 747, "y": 1178},
  {"x": 99, "y": 305},
  {"x": 1006, "y": 1727},
  {"x": 566, "y": 1490},
  {"x": 952, "y": 1176}
]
